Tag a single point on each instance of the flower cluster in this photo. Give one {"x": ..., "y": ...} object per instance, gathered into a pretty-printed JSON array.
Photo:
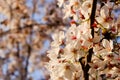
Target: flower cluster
[{"x": 71, "y": 46}]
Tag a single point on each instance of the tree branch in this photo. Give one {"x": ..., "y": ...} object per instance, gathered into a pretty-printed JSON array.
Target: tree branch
[
  {"x": 89, "y": 56},
  {"x": 41, "y": 26},
  {"x": 22, "y": 28},
  {"x": 90, "y": 52},
  {"x": 28, "y": 56}
]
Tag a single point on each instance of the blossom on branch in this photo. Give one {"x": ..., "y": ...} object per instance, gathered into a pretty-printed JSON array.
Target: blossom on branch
[{"x": 88, "y": 48}]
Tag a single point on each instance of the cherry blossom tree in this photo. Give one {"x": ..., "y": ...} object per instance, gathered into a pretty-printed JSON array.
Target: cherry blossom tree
[{"x": 88, "y": 49}]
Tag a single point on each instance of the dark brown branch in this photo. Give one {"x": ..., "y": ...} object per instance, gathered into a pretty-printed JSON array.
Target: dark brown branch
[
  {"x": 27, "y": 63},
  {"x": 20, "y": 62},
  {"x": 92, "y": 17},
  {"x": 28, "y": 56},
  {"x": 81, "y": 60},
  {"x": 89, "y": 56},
  {"x": 18, "y": 50},
  {"x": 86, "y": 67}
]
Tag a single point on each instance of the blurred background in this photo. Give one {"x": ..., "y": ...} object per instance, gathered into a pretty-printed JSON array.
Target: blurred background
[
  {"x": 25, "y": 35},
  {"x": 26, "y": 27}
]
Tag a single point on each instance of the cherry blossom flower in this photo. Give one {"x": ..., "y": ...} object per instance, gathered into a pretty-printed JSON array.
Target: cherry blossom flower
[
  {"x": 107, "y": 44},
  {"x": 58, "y": 39},
  {"x": 105, "y": 19},
  {"x": 61, "y": 2},
  {"x": 87, "y": 5}
]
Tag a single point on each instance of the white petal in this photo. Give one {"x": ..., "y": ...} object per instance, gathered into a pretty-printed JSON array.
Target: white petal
[
  {"x": 105, "y": 43},
  {"x": 104, "y": 12},
  {"x": 111, "y": 44}
]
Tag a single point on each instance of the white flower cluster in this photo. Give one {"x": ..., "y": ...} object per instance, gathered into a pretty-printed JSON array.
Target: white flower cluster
[{"x": 68, "y": 47}]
